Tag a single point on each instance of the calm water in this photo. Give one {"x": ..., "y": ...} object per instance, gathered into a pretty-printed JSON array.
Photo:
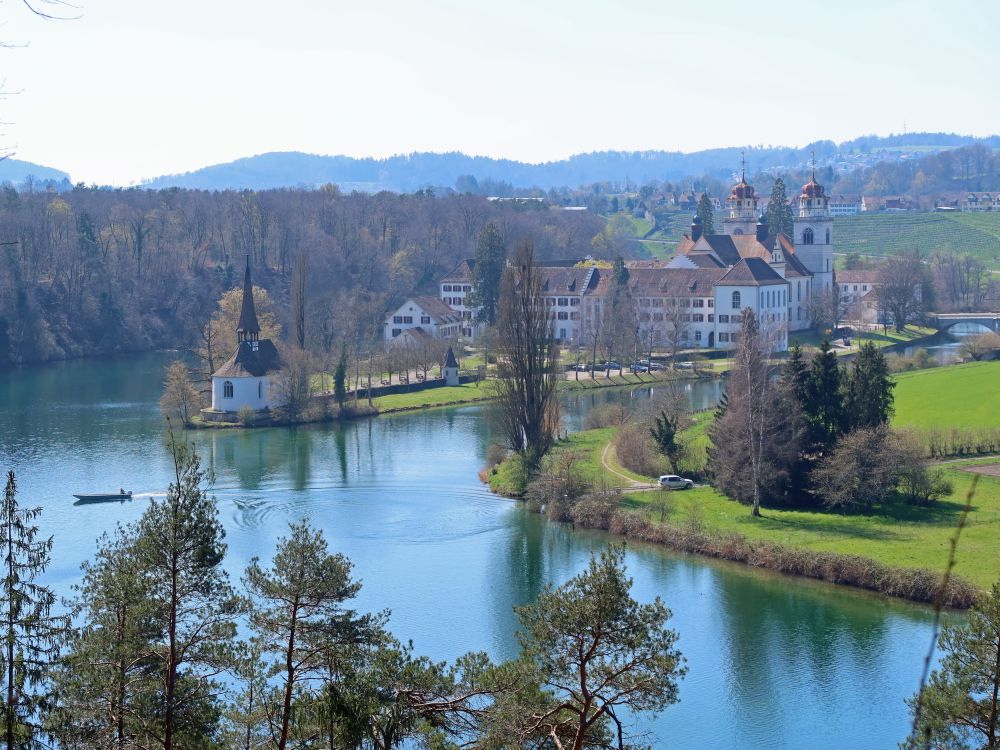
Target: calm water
[{"x": 773, "y": 662}]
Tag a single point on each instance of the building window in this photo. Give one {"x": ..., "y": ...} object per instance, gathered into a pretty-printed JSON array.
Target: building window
[
  {"x": 736, "y": 300},
  {"x": 574, "y": 316},
  {"x": 260, "y": 389},
  {"x": 466, "y": 288},
  {"x": 425, "y": 320},
  {"x": 807, "y": 236},
  {"x": 827, "y": 236},
  {"x": 711, "y": 302},
  {"x": 711, "y": 318},
  {"x": 699, "y": 303},
  {"x": 697, "y": 335},
  {"x": 227, "y": 389},
  {"x": 658, "y": 302},
  {"x": 574, "y": 301},
  {"x": 396, "y": 332},
  {"x": 447, "y": 287},
  {"x": 550, "y": 301},
  {"x": 723, "y": 336},
  {"x": 698, "y": 318},
  {"x": 563, "y": 302},
  {"x": 563, "y": 315},
  {"x": 723, "y": 318},
  {"x": 397, "y": 318}
]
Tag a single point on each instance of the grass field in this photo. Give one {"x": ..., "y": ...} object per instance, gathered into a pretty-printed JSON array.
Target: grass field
[
  {"x": 893, "y": 233},
  {"x": 880, "y": 233},
  {"x": 891, "y": 336},
  {"x": 957, "y": 395},
  {"x": 444, "y": 395},
  {"x": 899, "y": 535}
]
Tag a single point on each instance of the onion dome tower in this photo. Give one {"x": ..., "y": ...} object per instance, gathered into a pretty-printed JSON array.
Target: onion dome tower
[
  {"x": 813, "y": 233},
  {"x": 742, "y": 204}
]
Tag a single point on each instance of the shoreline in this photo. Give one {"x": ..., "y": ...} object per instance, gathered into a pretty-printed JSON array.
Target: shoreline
[{"x": 363, "y": 411}]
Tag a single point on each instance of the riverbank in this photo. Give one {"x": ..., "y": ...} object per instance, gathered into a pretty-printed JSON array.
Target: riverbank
[
  {"x": 898, "y": 550},
  {"x": 459, "y": 395}
]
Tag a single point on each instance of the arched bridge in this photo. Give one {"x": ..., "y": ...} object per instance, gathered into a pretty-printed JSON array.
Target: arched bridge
[{"x": 944, "y": 321}]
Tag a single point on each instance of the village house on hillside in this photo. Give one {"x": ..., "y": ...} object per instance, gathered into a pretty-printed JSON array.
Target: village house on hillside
[
  {"x": 429, "y": 314},
  {"x": 694, "y": 300}
]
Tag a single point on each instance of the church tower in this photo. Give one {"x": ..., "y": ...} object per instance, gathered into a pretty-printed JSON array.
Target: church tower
[
  {"x": 813, "y": 230},
  {"x": 742, "y": 205}
]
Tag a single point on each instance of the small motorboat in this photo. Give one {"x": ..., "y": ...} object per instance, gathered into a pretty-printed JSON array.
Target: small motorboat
[{"x": 105, "y": 497}]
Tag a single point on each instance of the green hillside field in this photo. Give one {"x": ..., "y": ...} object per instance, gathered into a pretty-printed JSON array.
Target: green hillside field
[
  {"x": 894, "y": 233},
  {"x": 877, "y": 233}
]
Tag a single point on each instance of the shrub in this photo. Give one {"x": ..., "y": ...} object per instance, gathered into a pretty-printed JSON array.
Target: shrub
[
  {"x": 607, "y": 415},
  {"x": 495, "y": 454},
  {"x": 557, "y": 485},
  {"x": 637, "y": 451},
  {"x": 595, "y": 511},
  {"x": 921, "y": 359},
  {"x": 246, "y": 415}
]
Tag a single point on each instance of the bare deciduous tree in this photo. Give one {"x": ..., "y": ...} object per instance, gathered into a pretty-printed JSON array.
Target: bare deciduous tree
[{"x": 525, "y": 387}]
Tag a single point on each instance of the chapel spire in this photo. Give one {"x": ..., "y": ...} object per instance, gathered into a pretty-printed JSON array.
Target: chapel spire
[{"x": 248, "y": 329}]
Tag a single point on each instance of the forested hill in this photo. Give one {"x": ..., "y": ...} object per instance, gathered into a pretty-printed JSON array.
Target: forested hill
[
  {"x": 17, "y": 172},
  {"x": 407, "y": 173},
  {"x": 90, "y": 272}
]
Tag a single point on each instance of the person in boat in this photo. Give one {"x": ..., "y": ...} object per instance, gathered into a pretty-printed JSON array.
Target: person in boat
[{"x": 121, "y": 490}]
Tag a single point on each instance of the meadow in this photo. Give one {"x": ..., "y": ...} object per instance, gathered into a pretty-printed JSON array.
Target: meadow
[{"x": 965, "y": 395}]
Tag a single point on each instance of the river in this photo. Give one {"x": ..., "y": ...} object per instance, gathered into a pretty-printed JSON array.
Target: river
[{"x": 773, "y": 662}]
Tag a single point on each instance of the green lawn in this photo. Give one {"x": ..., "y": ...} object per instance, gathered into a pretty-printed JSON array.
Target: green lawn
[
  {"x": 957, "y": 395},
  {"x": 441, "y": 396},
  {"x": 879, "y": 338},
  {"x": 900, "y": 535}
]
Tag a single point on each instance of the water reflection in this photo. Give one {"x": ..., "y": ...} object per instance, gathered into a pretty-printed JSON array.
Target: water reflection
[{"x": 772, "y": 661}]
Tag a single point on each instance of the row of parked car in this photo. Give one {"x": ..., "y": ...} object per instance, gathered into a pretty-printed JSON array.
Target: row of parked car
[{"x": 642, "y": 365}]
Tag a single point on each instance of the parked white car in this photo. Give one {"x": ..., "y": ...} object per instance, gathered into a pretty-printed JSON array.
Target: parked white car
[{"x": 674, "y": 482}]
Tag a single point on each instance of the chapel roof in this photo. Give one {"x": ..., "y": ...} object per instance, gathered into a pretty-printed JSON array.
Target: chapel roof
[
  {"x": 251, "y": 359},
  {"x": 248, "y": 313}
]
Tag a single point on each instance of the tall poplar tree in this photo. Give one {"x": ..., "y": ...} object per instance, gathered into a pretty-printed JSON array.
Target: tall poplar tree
[
  {"x": 31, "y": 633},
  {"x": 491, "y": 254},
  {"x": 706, "y": 213},
  {"x": 779, "y": 212}
]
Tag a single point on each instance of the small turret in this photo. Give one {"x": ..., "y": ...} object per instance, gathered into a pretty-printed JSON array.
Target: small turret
[
  {"x": 450, "y": 369},
  {"x": 761, "y": 228},
  {"x": 696, "y": 228}
]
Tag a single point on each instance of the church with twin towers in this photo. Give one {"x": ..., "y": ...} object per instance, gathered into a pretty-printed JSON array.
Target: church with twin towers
[{"x": 694, "y": 300}]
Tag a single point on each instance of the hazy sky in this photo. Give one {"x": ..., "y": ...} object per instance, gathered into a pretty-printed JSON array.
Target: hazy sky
[{"x": 135, "y": 88}]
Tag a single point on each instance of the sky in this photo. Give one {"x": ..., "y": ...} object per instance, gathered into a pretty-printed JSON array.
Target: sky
[{"x": 132, "y": 89}]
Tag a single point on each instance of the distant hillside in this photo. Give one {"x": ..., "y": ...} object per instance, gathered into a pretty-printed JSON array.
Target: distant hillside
[
  {"x": 15, "y": 171},
  {"x": 406, "y": 173}
]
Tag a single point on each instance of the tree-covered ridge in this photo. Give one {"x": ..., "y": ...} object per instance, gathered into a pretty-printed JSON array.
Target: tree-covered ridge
[{"x": 95, "y": 272}]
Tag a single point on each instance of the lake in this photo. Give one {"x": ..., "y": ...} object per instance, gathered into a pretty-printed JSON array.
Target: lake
[{"x": 773, "y": 662}]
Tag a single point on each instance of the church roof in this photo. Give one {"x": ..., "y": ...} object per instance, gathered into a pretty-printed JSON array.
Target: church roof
[
  {"x": 251, "y": 359},
  {"x": 750, "y": 272},
  {"x": 449, "y": 360}
]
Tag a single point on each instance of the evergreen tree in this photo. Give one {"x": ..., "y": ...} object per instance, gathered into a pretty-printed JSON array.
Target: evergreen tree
[
  {"x": 31, "y": 633},
  {"x": 960, "y": 706},
  {"x": 779, "y": 212},
  {"x": 298, "y": 613},
  {"x": 868, "y": 389},
  {"x": 706, "y": 213},
  {"x": 664, "y": 432},
  {"x": 109, "y": 678},
  {"x": 597, "y": 657},
  {"x": 179, "y": 550},
  {"x": 795, "y": 374},
  {"x": 487, "y": 272},
  {"x": 340, "y": 377},
  {"x": 824, "y": 400}
]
